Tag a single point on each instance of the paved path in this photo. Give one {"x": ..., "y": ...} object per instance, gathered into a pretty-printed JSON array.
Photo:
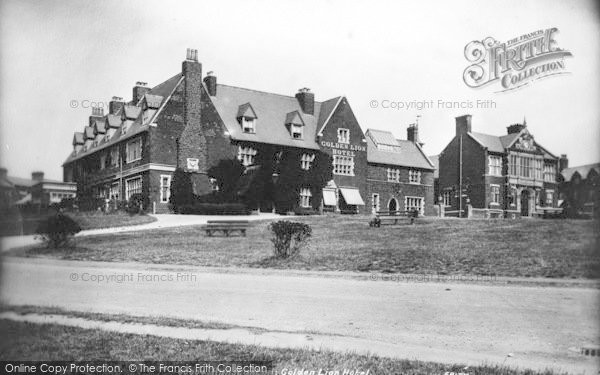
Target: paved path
[
  {"x": 162, "y": 221},
  {"x": 454, "y": 323}
]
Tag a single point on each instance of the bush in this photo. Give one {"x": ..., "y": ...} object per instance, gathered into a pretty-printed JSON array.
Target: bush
[
  {"x": 136, "y": 204},
  {"x": 214, "y": 209},
  {"x": 57, "y": 230},
  {"x": 301, "y": 211},
  {"x": 289, "y": 237}
]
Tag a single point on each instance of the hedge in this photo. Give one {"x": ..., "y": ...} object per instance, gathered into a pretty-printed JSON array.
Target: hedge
[{"x": 214, "y": 209}]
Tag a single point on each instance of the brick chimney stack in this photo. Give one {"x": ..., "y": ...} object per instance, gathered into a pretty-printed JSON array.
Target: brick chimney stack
[
  {"x": 211, "y": 83},
  {"x": 37, "y": 176},
  {"x": 306, "y": 100},
  {"x": 463, "y": 124},
  {"x": 192, "y": 142},
  {"x": 139, "y": 90},
  {"x": 115, "y": 105},
  {"x": 563, "y": 162},
  {"x": 412, "y": 134}
]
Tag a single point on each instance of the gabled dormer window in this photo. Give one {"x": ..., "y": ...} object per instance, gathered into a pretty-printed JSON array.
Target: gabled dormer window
[
  {"x": 247, "y": 118},
  {"x": 296, "y": 131},
  {"x": 295, "y": 124},
  {"x": 248, "y": 125}
]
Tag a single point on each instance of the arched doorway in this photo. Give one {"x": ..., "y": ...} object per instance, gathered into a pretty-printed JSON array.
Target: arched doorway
[
  {"x": 393, "y": 205},
  {"x": 525, "y": 202}
]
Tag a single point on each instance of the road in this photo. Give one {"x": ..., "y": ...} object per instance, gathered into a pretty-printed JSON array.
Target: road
[{"x": 454, "y": 323}]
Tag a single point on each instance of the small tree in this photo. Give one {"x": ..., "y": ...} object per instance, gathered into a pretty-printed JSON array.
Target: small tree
[
  {"x": 57, "y": 230},
  {"x": 289, "y": 237},
  {"x": 182, "y": 191}
]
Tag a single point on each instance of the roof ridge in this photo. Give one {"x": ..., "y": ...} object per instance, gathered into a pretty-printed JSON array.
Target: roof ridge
[{"x": 268, "y": 93}]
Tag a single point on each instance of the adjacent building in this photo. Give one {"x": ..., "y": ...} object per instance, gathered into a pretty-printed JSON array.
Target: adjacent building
[
  {"x": 192, "y": 122},
  {"x": 498, "y": 176},
  {"x": 37, "y": 191},
  {"x": 579, "y": 189}
]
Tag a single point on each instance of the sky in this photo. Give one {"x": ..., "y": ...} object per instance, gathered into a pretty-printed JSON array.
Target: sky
[{"x": 58, "y": 57}]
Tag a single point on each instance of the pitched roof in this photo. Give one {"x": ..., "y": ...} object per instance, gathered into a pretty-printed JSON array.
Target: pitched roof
[
  {"x": 78, "y": 138},
  {"x": 382, "y": 137},
  {"x": 408, "y": 153},
  {"x": 163, "y": 90},
  {"x": 272, "y": 112},
  {"x": 582, "y": 170},
  {"x": 492, "y": 142}
]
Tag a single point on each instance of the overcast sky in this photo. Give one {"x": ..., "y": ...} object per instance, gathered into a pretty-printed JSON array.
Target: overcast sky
[{"x": 55, "y": 52}]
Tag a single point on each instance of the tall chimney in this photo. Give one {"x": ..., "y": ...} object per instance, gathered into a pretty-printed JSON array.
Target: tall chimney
[
  {"x": 139, "y": 90},
  {"x": 306, "y": 100},
  {"x": 412, "y": 134},
  {"x": 563, "y": 162},
  {"x": 3, "y": 173},
  {"x": 115, "y": 105},
  {"x": 192, "y": 142},
  {"x": 211, "y": 83},
  {"x": 37, "y": 176},
  {"x": 463, "y": 124},
  {"x": 97, "y": 114}
]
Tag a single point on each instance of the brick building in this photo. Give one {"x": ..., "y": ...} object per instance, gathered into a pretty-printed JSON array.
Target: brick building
[
  {"x": 579, "y": 188},
  {"x": 506, "y": 176},
  {"x": 190, "y": 121}
]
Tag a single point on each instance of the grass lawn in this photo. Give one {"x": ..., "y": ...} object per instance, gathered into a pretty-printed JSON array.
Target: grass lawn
[
  {"x": 26, "y": 341},
  {"x": 17, "y": 224},
  {"x": 522, "y": 248}
]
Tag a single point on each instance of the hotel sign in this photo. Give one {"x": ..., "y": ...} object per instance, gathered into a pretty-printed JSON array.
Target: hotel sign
[{"x": 345, "y": 149}]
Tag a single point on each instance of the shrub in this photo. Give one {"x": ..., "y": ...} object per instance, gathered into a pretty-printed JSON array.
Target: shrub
[
  {"x": 214, "y": 209},
  {"x": 305, "y": 211},
  {"x": 289, "y": 237},
  {"x": 57, "y": 230},
  {"x": 182, "y": 191},
  {"x": 136, "y": 204}
]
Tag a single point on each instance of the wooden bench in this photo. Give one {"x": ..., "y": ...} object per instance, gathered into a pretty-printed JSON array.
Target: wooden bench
[
  {"x": 392, "y": 217},
  {"x": 226, "y": 226}
]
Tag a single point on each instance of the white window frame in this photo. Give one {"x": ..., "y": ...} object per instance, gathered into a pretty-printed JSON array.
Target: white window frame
[
  {"x": 414, "y": 176},
  {"x": 343, "y": 165},
  {"x": 408, "y": 199},
  {"x": 375, "y": 203},
  {"x": 393, "y": 175},
  {"x": 549, "y": 172},
  {"x": 494, "y": 194},
  {"x": 128, "y": 192},
  {"x": 128, "y": 148},
  {"x": 447, "y": 198},
  {"x": 306, "y": 161},
  {"x": 114, "y": 188},
  {"x": 343, "y": 135},
  {"x": 248, "y": 125},
  {"x": 246, "y": 155},
  {"x": 296, "y": 129},
  {"x": 495, "y": 165},
  {"x": 164, "y": 198},
  {"x": 305, "y": 197}
]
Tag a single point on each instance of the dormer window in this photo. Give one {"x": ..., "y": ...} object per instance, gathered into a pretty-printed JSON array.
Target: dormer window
[
  {"x": 295, "y": 124},
  {"x": 296, "y": 131},
  {"x": 248, "y": 125},
  {"x": 343, "y": 135},
  {"x": 247, "y": 118}
]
